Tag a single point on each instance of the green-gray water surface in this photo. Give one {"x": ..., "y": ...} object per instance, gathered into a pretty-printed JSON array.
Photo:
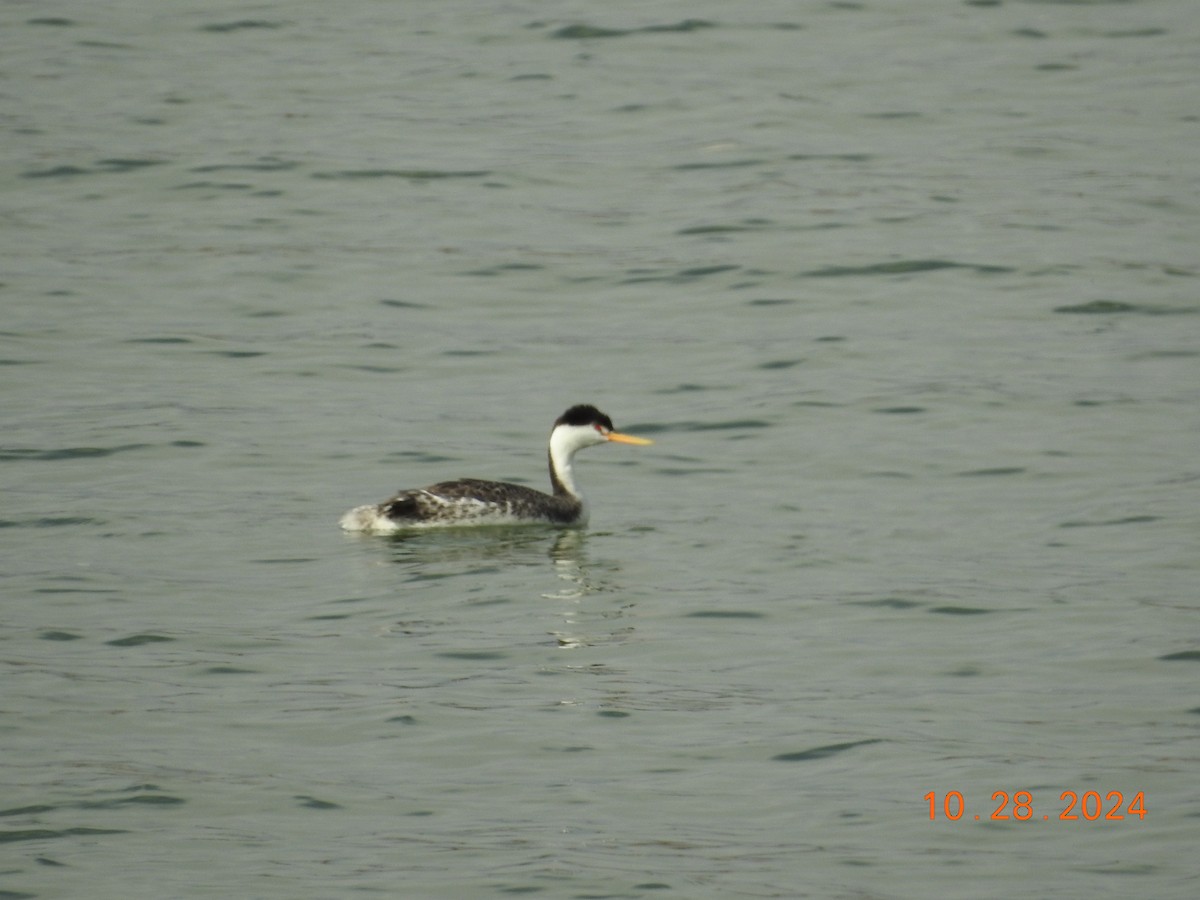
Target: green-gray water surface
[{"x": 905, "y": 293}]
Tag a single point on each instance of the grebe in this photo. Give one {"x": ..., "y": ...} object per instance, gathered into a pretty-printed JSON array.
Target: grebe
[{"x": 471, "y": 501}]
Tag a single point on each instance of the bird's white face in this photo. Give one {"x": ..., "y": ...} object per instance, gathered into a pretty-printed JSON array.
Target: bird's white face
[{"x": 571, "y": 438}]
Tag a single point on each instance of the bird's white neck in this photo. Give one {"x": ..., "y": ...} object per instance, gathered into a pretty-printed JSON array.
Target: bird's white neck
[{"x": 565, "y": 442}]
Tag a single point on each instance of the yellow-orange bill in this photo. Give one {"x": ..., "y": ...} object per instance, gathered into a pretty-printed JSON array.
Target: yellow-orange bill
[{"x": 627, "y": 438}]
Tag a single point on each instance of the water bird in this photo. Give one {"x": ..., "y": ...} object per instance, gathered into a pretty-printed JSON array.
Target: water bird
[{"x": 472, "y": 501}]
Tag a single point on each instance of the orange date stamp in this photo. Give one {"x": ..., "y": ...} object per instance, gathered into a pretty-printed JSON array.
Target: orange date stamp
[{"x": 1019, "y": 806}]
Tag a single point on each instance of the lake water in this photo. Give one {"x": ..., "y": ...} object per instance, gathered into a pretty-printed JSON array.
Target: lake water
[{"x": 906, "y": 295}]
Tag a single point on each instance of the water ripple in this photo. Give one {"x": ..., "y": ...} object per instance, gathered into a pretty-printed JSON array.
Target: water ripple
[
  {"x": 585, "y": 32},
  {"x": 823, "y": 752},
  {"x": 903, "y": 267},
  {"x": 66, "y": 452}
]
